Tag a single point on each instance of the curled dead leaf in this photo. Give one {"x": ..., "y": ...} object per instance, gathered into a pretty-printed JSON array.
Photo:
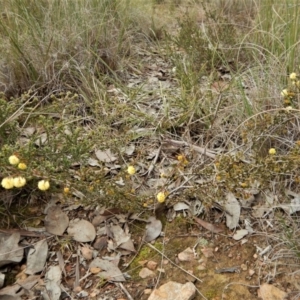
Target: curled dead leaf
[{"x": 208, "y": 226}]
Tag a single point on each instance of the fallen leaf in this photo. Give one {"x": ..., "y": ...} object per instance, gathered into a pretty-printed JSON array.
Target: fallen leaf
[
  {"x": 41, "y": 140},
  {"x": 29, "y": 282},
  {"x": 37, "y": 257},
  {"x": 153, "y": 229},
  {"x": 105, "y": 156},
  {"x": 208, "y": 226},
  {"x": 11, "y": 293},
  {"x": 56, "y": 221},
  {"x": 110, "y": 270},
  {"x": 239, "y": 234},
  {"x": 233, "y": 211},
  {"x": 93, "y": 162},
  {"x": 28, "y": 131},
  {"x": 180, "y": 206},
  {"x": 82, "y": 230},
  {"x": 53, "y": 279},
  {"x": 10, "y": 251},
  {"x": 294, "y": 206},
  {"x": 128, "y": 150},
  {"x": 100, "y": 243}
]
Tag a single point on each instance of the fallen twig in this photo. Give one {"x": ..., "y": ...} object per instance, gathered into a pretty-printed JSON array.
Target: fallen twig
[
  {"x": 201, "y": 150},
  {"x": 122, "y": 287}
]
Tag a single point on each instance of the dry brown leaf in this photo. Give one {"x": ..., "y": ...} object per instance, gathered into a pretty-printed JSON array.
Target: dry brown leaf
[
  {"x": 208, "y": 226},
  {"x": 105, "y": 156},
  {"x": 95, "y": 270},
  {"x": 82, "y": 230},
  {"x": 10, "y": 251},
  {"x": 56, "y": 221},
  {"x": 153, "y": 229},
  {"x": 233, "y": 211},
  {"x": 37, "y": 257}
]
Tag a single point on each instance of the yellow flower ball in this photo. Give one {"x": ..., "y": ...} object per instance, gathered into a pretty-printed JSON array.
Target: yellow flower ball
[
  {"x": 272, "y": 151},
  {"x": 180, "y": 157},
  {"x": 289, "y": 108},
  {"x": 19, "y": 181},
  {"x": 43, "y": 185},
  {"x": 284, "y": 93},
  {"x": 161, "y": 197},
  {"x": 13, "y": 160},
  {"x": 22, "y": 166},
  {"x": 7, "y": 183},
  {"x": 293, "y": 76},
  {"x": 131, "y": 170},
  {"x": 243, "y": 184},
  {"x": 66, "y": 190}
]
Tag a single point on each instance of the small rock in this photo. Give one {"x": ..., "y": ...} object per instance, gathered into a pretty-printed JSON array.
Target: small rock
[
  {"x": 240, "y": 234},
  {"x": 87, "y": 253},
  {"x": 251, "y": 272},
  {"x": 208, "y": 252},
  {"x": 151, "y": 265},
  {"x": 174, "y": 290},
  {"x": 186, "y": 255},
  {"x": 147, "y": 291},
  {"x": 270, "y": 292},
  {"x": 145, "y": 272}
]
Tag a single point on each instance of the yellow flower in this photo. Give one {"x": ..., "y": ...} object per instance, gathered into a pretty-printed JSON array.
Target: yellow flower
[
  {"x": 180, "y": 157},
  {"x": 66, "y": 190},
  {"x": 284, "y": 93},
  {"x": 22, "y": 166},
  {"x": 293, "y": 76},
  {"x": 272, "y": 151},
  {"x": 218, "y": 178},
  {"x": 19, "y": 181},
  {"x": 161, "y": 197},
  {"x": 43, "y": 185},
  {"x": 13, "y": 160},
  {"x": 7, "y": 183},
  {"x": 131, "y": 170}
]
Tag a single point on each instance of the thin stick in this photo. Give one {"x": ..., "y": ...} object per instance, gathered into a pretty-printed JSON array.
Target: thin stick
[
  {"x": 201, "y": 150},
  {"x": 122, "y": 287},
  {"x": 174, "y": 264}
]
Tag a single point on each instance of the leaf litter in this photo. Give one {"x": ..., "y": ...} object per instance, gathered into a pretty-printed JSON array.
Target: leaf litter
[{"x": 107, "y": 232}]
